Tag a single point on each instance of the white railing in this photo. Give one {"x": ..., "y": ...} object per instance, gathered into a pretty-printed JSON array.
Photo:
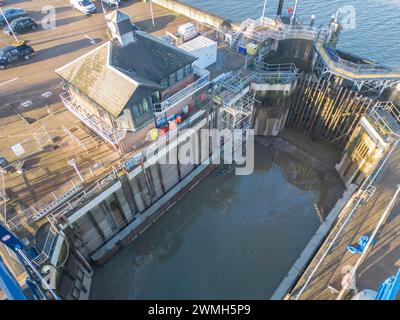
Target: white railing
[
  {"x": 379, "y": 114},
  {"x": 108, "y": 133},
  {"x": 264, "y": 28},
  {"x": 99, "y": 186},
  {"x": 275, "y": 73},
  {"x": 111, "y": 177},
  {"x": 48, "y": 247},
  {"x": 45, "y": 205},
  {"x": 204, "y": 80},
  {"x": 334, "y": 62}
]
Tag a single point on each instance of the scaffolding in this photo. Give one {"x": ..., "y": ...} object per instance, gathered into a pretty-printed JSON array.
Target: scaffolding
[{"x": 233, "y": 97}]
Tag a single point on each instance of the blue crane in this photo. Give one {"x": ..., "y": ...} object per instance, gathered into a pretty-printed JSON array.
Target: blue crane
[{"x": 37, "y": 285}]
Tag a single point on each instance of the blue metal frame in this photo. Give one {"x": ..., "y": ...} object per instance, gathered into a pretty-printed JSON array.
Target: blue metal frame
[
  {"x": 9, "y": 284},
  {"x": 389, "y": 288}
]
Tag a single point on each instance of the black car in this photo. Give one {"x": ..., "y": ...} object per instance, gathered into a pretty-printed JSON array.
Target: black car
[
  {"x": 3, "y": 164},
  {"x": 15, "y": 53},
  {"x": 21, "y": 25},
  {"x": 11, "y": 14}
]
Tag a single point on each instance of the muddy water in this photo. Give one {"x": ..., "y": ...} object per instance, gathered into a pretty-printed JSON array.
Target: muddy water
[{"x": 232, "y": 237}]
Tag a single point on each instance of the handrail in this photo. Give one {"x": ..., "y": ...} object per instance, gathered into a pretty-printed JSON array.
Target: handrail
[
  {"x": 108, "y": 133},
  {"x": 44, "y": 205},
  {"x": 334, "y": 61},
  {"x": 277, "y": 30},
  {"x": 185, "y": 92}
]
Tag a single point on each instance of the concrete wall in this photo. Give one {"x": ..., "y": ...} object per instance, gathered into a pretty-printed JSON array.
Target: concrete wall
[
  {"x": 301, "y": 52},
  {"x": 192, "y": 13},
  {"x": 106, "y": 216}
]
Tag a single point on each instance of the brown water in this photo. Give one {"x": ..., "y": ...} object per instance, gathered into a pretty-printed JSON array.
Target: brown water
[{"x": 232, "y": 237}]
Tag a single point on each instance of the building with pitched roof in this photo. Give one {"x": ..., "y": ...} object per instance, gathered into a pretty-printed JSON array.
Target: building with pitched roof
[{"x": 131, "y": 84}]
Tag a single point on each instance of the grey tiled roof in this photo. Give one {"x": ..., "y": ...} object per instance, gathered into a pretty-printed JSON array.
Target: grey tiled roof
[
  {"x": 149, "y": 57},
  {"x": 104, "y": 85},
  {"x": 110, "y": 75}
]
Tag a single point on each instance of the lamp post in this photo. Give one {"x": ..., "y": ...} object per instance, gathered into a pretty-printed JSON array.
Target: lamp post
[
  {"x": 72, "y": 163},
  {"x": 11, "y": 30},
  {"x": 263, "y": 14},
  {"x": 152, "y": 14},
  {"x": 293, "y": 18}
]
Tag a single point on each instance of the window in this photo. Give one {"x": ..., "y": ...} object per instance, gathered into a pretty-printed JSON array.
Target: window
[
  {"x": 145, "y": 105},
  {"x": 155, "y": 97},
  {"x": 188, "y": 69},
  {"x": 164, "y": 83},
  {"x": 172, "y": 79},
  {"x": 180, "y": 74},
  {"x": 141, "y": 108}
]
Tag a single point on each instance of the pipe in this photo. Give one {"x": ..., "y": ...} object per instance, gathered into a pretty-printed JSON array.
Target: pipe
[{"x": 280, "y": 7}]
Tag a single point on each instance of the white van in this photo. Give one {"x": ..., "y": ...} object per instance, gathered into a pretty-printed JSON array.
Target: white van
[
  {"x": 188, "y": 31},
  {"x": 85, "y": 6}
]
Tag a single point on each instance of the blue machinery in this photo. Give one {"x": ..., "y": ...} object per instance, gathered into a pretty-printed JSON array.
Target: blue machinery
[
  {"x": 389, "y": 288},
  {"x": 38, "y": 287}
]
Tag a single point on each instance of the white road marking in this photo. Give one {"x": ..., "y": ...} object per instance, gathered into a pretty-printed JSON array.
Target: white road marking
[
  {"x": 92, "y": 41},
  {"x": 7, "y": 82},
  {"x": 47, "y": 94},
  {"x": 26, "y": 103}
]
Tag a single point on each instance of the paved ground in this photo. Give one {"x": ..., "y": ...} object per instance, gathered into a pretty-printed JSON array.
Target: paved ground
[
  {"x": 30, "y": 108},
  {"x": 382, "y": 260},
  {"x": 31, "y": 111}
]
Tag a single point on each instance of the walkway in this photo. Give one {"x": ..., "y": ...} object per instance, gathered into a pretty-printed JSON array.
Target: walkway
[{"x": 381, "y": 261}]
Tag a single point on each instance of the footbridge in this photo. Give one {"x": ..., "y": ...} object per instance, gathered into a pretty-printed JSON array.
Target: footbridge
[{"x": 367, "y": 76}]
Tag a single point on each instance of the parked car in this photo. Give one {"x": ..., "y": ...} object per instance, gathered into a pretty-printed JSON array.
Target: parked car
[
  {"x": 21, "y": 25},
  {"x": 15, "y": 53},
  {"x": 11, "y": 14},
  {"x": 4, "y": 164},
  {"x": 112, "y": 3},
  {"x": 85, "y": 6}
]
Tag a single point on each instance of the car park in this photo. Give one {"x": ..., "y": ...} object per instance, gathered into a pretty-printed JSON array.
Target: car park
[
  {"x": 15, "y": 53},
  {"x": 85, "y": 6},
  {"x": 21, "y": 25},
  {"x": 11, "y": 14}
]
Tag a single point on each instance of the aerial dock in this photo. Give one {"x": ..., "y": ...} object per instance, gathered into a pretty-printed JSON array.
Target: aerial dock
[{"x": 84, "y": 180}]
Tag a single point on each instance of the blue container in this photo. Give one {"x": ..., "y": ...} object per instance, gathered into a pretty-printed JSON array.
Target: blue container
[{"x": 242, "y": 50}]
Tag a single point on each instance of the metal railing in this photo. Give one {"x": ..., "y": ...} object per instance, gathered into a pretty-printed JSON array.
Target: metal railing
[
  {"x": 264, "y": 28},
  {"x": 108, "y": 133},
  {"x": 380, "y": 115},
  {"x": 204, "y": 79},
  {"x": 99, "y": 186},
  {"x": 48, "y": 247},
  {"x": 334, "y": 62},
  {"x": 45, "y": 205},
  {"x": 275, "y": 73},
  {"x": 355, "y": 203}
]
